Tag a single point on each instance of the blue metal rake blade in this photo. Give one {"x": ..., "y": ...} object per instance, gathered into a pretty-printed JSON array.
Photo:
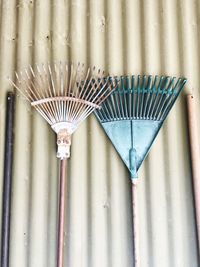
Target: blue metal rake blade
[{"x": 134, "y": 113}]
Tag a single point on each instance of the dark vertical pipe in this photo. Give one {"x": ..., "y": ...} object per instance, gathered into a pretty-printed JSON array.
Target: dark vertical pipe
[
  {"x": 7, "y": 180},
  {"x": 61, "y": 222}
]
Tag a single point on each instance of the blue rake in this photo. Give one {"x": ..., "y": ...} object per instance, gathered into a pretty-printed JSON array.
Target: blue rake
[{"x": 132, "y": 117}]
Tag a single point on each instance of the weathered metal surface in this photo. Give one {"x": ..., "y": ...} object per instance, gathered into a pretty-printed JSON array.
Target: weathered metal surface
[{"x": 122, "y": 37}]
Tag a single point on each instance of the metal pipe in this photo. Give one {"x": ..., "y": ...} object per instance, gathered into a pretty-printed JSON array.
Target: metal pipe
[
  {"x": 135, "y": 224},
  {"x": 8, "y": 157},
  {"x": 195, "y": 158},
  {"x": 61, "y": 222}
]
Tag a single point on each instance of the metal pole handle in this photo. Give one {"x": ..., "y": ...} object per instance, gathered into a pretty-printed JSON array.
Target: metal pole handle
[{"x": 5, "y": 238}]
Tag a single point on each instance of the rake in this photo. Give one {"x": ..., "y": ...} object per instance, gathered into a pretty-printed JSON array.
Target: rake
[
  {"x": 64, "y": 95},
  {"x": 132, "y": 117}
]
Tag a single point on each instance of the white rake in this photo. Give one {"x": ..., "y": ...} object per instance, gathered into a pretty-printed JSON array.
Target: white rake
[{"x": 64, "y": 95}]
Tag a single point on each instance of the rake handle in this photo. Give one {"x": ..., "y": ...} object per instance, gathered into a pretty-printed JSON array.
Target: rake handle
[
  {"x": 135, "y": 224},
  {"x": 195, "y": 158},
  {"x": 61, "y": 222}
]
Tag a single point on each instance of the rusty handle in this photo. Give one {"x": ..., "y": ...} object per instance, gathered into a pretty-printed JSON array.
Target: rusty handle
[
  {"x": 195, "y": 158},
  {"x": 61, "y": 222},
  {"x": 135, "y": 224}
]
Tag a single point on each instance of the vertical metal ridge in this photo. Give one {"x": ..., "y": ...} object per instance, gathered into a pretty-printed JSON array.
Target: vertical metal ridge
[
  {"x": 60, "y": 34},
  {"x": 124, "y": 37}
]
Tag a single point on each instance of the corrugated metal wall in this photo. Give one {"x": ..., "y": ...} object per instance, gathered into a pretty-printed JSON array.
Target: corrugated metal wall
[{"x": 123, "y": 37}]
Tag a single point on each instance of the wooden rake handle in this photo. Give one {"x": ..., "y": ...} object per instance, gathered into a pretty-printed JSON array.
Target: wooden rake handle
[
  {"x": 135, "y": 223},
  {"x": 195, "y": 158},
  {"x": 62, "y": 207}
]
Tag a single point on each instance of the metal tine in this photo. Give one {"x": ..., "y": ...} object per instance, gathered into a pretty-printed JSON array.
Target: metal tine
[
  {"x": 61, "y": 89},
  {"x": 175, "y": 94},
  {"x": 43, "y": 114},
  {"x": 81, "y": 108},
  {"x": 120, "y": 99},
  {"x": 168, "y": 94},
  {"x": 37, "y": 85},
  {"x": 142, "y": 96},
  {"x": 70, "y": 91},
  {"x": 48, "y": 114},
  {"x": 85, "y": 115},
  {"x": 49, "y": 89},
  {"x": 108, "y": 109},
  {"x": 76, "y": 81},
  {"x": 44, "y": 85},
  {"x": 158, "y": 90},
  {"x": 128, "y": 95},
  {"x": 147, "y": 97},
  {"x": 116, "y": 100},
  {"x": 68, "y": 88},
  {"x": 138, "y": 97},
  {"x": 96, "y": 89},
  {"x": 31, "y": 92},
  {"x": 116, "y": 96},
  {"x": 26, "y": 90},
  {"x": 81, "y": 83},
  {"x": 163, "y": 92},
  {"x": 40, "y": 81},
  {"x": 66, "y": 79},
  {"x": 108, "y": 91},
  {"x": 30, "y": 80},
  {"x": 52, "y": 104},
  {"x": 72, "y": 104},
  {"x": 111, "y": 108},
  {"x": 79, "y": 77},
  {"x": 21, "y": 82},
  {"x": 24, "y": 95},
  {"x": 53, "y": 87},
  {"x": 104, "y": 112},
  {"x": 52, "y": 80},
  {"x": 152, "y": 91},
  {"x": 100, "y": 116},
  {"x": 132, "y": 96},
  {"x": 92, "y": 89},
  {"x": 102, "y": 97},
  {"x": 86, "y": 84},
  {"x": 124, "y": 98},
  {"x": 41, "y": 85},
  {"x": 102, "y": 90},
  {"x": 115, "y": 105}
]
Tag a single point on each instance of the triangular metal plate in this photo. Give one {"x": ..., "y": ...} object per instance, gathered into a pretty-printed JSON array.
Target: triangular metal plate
[{"x": 140, "y": 138}]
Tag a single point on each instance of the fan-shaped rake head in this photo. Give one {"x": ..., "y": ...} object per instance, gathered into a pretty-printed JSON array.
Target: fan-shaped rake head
[
  {"x": 134, "y": 113},
  {"x": 64, "y": 95}
]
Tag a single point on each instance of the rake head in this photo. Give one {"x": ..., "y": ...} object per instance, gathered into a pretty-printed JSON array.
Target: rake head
[
  {"x": 64, "y": 95},
  {"x": 134, "y": 113}
]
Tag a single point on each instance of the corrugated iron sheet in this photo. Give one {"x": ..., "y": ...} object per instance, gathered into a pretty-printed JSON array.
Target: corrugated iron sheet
[{"x": 123, "y": 37}]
